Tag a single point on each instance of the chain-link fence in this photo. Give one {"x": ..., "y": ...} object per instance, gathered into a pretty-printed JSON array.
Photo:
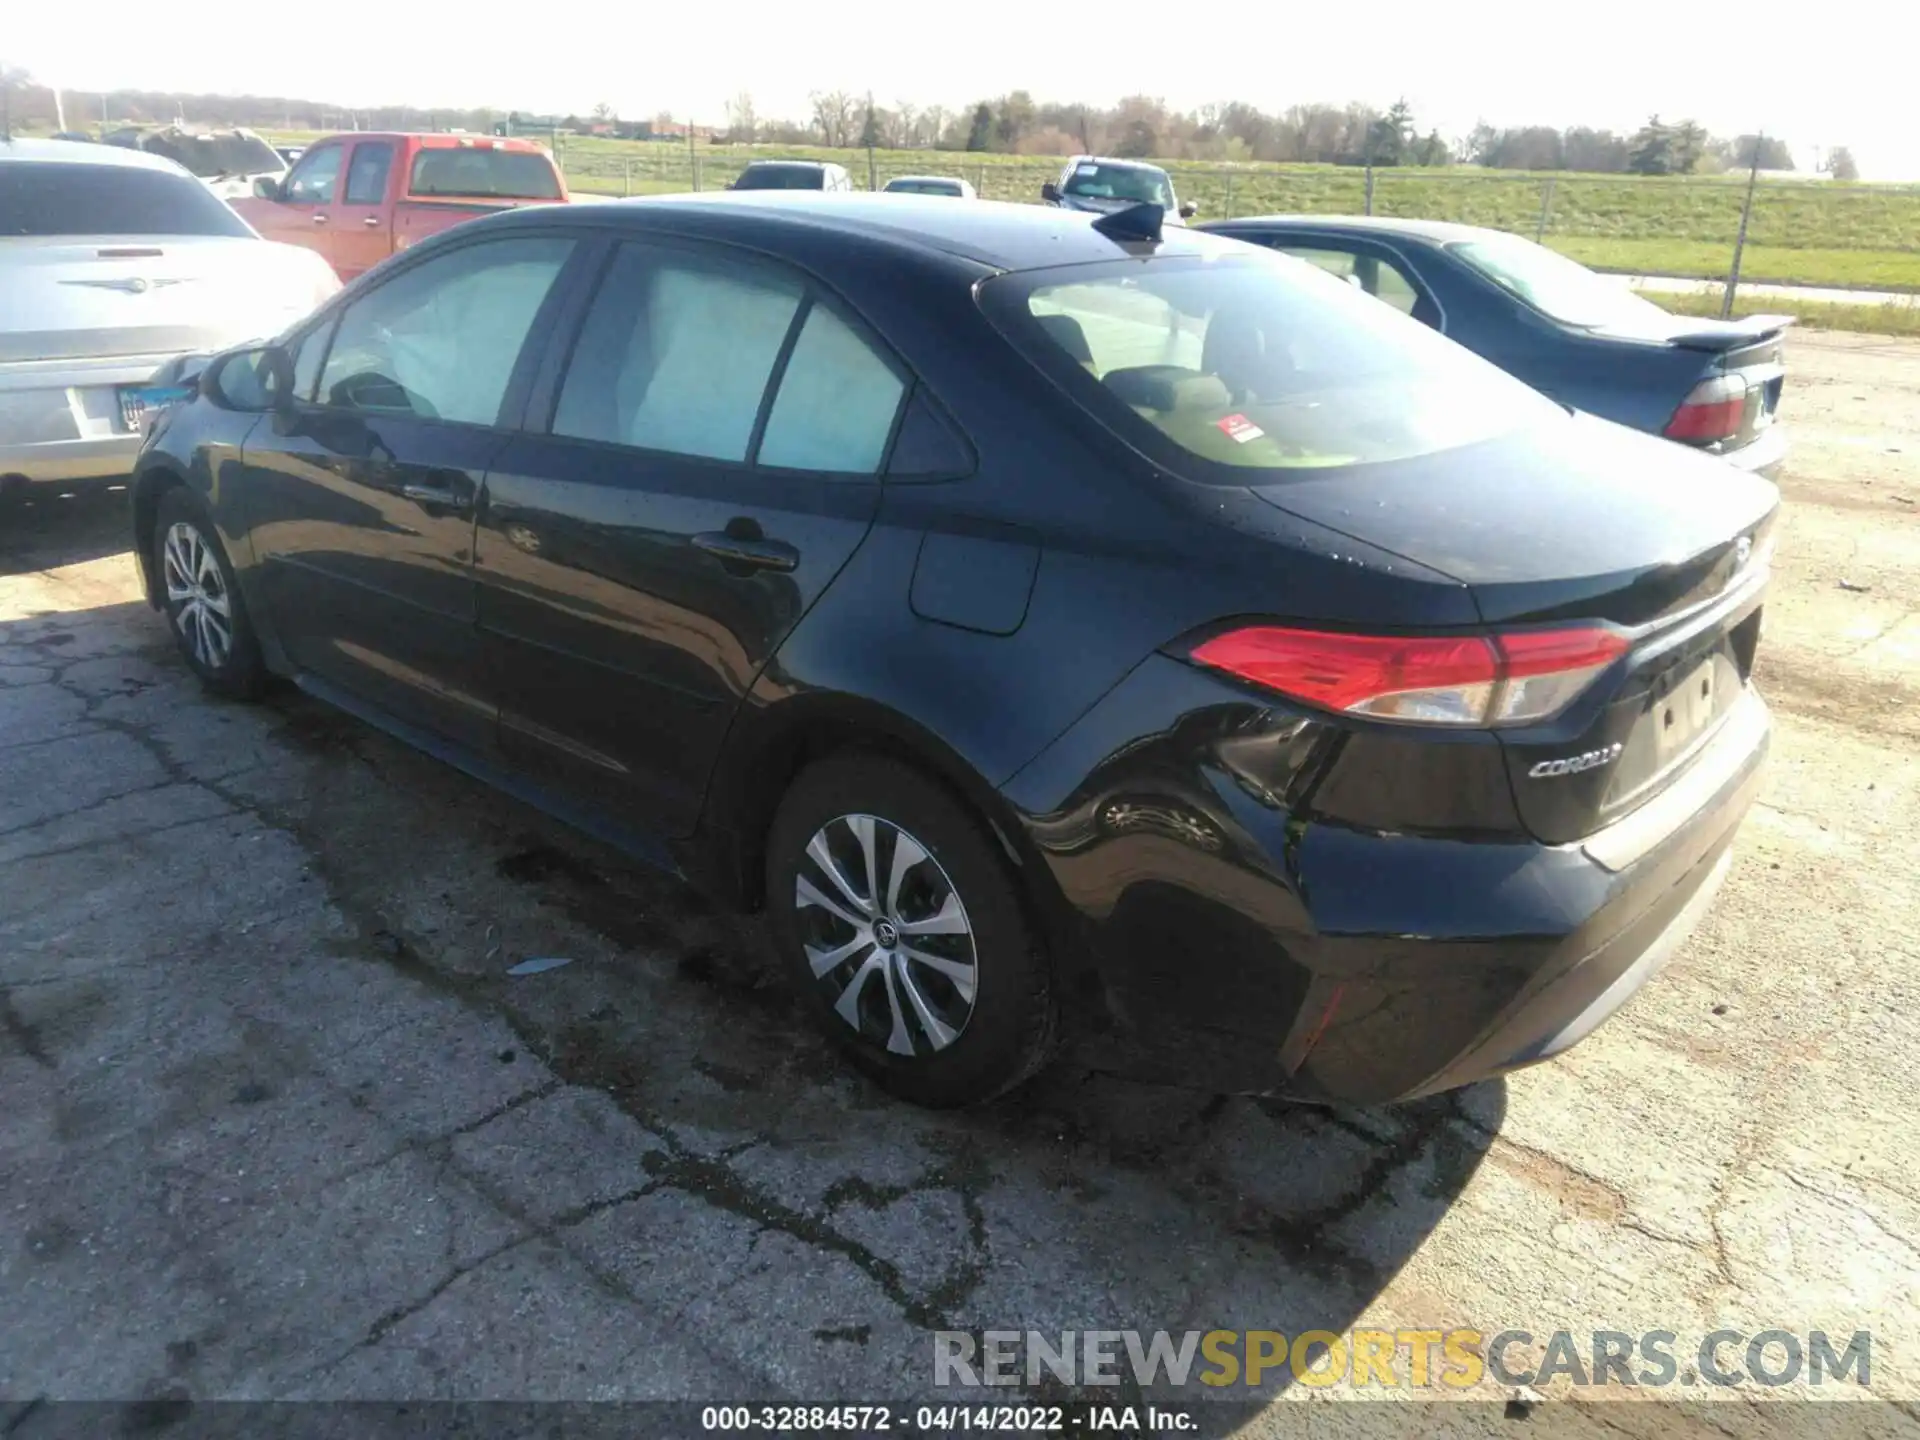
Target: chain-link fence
[{"x": 1809, "y": 233}]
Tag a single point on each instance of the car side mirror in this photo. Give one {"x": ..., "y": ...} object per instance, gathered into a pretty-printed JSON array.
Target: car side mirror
[
  {"x": 267, "y": 188},
  {"x": 1050, "y": 193},
  {"x": 252, "y": 381},
  {"x": 1188, "y": 210}
]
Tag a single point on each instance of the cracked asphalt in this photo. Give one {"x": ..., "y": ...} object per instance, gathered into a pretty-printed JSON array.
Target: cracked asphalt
[{"x": 278, "y": 1124}]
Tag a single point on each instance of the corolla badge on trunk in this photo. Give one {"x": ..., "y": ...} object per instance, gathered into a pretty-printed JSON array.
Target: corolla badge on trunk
[{"x": 1575, "y": 764}]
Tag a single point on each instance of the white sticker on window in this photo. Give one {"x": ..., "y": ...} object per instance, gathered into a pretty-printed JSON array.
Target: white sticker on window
[{"x": 1086, "y": 169}]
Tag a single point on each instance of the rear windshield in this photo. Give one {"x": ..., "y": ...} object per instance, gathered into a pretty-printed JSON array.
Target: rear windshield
[
  {"x": 924, "y": 187},
  {"x": 37, "y": 198},
  {"x": 1555, "y": 285},
  {"x": 472, "y": 173},
  {"x": 1133, "y": 183},
  {"x": 781, "y": 177},
  {"x": 1221, "y": 366}
]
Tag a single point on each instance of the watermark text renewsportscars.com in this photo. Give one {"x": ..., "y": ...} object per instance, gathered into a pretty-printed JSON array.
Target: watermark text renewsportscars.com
[{"x": 1443, "y": 1360}]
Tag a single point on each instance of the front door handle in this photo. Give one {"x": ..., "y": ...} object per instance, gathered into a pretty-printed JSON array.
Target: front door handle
[
  {"x": 435, "y": 496},
  {"x": 371, "y": 221},
  {"x": 740, "y": 552},
  {"x": 319, "y": 217}
]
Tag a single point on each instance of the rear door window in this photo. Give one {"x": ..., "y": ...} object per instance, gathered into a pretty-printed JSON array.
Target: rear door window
[
  {"x": 1375, "y": 274},
  {"x": 837, "y": 402},
  {"x": 367, "y": 175},
  {"x": 55, "y": 199},
  {"x": 676, "y": 353}
]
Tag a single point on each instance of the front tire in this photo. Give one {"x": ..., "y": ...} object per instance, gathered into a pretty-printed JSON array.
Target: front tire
[
  {"x": 204, "y": 606},
  {"x": 903, "y": 929}
]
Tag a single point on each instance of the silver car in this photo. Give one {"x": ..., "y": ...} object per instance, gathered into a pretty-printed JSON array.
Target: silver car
[{"x": 113, "y": 262}]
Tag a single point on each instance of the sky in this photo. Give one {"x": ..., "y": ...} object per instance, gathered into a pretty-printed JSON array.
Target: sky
[{"x": 1839, "y": 73}]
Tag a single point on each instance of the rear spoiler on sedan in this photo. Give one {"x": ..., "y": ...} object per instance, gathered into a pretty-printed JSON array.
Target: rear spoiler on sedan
[{"x": 1731, "y": 334}]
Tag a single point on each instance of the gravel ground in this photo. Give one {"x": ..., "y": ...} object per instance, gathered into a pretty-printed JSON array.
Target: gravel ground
[{"x": 277, "y": 1124}]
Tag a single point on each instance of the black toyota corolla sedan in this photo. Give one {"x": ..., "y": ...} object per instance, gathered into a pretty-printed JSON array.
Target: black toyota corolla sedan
[{"x": 1057, "y": 625}]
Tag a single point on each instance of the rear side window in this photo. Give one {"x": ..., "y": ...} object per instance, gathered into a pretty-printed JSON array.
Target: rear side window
[
  {"x": 783, "y": 177},
  {"x": 37, "y": 198},
  {"x": 367, "y": 175},
  {"x": 1218, "y": 367},
  {"x": 676, "y": 354},
  {"x": 678, "y": 351},
  {"x": 1380, "y": 278},
  {"x": 836, "y": 404},
  {"x": 439, "y": 341},
  {"x": 474, "y": 173}
]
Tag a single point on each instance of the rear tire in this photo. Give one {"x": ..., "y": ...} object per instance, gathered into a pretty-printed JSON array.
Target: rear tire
[
  {"x": 903, "y": 929},
  {"x": 204, "y": 606}
]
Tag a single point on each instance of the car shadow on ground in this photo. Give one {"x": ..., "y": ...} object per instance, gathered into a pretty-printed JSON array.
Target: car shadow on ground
[
  {"x": 45, "y": 526},
  {"x": 1083, "y": 1201}
]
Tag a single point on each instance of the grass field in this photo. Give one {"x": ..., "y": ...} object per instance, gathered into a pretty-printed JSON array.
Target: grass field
[
  {"x": 1895, "y": 319},
  {"x": 1802, "y": 232}
]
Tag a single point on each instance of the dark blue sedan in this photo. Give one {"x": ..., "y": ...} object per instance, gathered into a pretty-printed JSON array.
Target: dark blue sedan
[{"x": 1581, "y": 338}]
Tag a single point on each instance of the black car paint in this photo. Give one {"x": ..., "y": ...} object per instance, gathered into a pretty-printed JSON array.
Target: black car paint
[
  {"x": 1634, "y": 379},
  {"x": 1238, "y": 891}
]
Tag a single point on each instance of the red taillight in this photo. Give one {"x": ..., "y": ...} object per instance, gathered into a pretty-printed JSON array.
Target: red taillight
[
  {"x": 1713, "y": 410},
  {"x": 1509, "y": 679}
]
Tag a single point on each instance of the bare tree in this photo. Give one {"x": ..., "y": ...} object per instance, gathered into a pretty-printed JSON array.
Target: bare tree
[
  {"x": 833, "y": 116},
  {"x": 901, "y": 121},
  {"x": 605, "y": 114},
  {"x": 10, "y": 76},
  {"x": 742, "y": 124},
  {"x": 933, "y": 123}
]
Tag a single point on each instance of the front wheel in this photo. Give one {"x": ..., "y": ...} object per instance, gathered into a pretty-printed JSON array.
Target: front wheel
[
  {"x": 903, "y": 928},
  {"x": 204, "y": 607}
]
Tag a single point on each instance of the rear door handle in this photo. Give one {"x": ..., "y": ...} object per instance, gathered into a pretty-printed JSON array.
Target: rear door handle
[
  {"x": 319, "y": 217},
  {"x": 435, "y": 495},
  {"x": 371, "y": 220},
  {"x": 736, "y": 551}
]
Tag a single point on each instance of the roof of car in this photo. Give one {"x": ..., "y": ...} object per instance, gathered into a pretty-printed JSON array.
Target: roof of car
[
  {"x": 796, "y": 164},
  {"x": 997, "y": 234},
  {"x": 1116, "y": 163},
  {"x": 926, "y": 180},
  {"x": 80, "y": 152},
  {"x": 1437, "y": 232}
]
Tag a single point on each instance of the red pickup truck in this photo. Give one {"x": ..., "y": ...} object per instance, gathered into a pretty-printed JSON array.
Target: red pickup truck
[{"x": 358, "y": 198}]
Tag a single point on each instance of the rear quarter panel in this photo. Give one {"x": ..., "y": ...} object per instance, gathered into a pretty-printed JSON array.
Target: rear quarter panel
[{"x": 1632, "y": 383}]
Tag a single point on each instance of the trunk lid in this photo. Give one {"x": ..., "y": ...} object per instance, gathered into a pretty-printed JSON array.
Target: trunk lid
[
  {"x": 1581, "y": 522},
  {"x": 1749, "y": 351},
  {"x": 87, "y": 298}
]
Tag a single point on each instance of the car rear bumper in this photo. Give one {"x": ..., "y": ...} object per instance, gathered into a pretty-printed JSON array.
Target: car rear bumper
[
  {"x": 1762, "y": 455},
  {"x": 61, "y": 421},
  {"x": 1235, "y": 942}
]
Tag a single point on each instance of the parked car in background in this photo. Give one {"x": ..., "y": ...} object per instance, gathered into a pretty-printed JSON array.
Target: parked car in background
[
  {"x": 1051, "y": 621},
  {"x": 1102, "y": 186},
  {"x": 112, "y": 261},
  {"x": 229, "y": 161},
  {"x": 358, "y": 198},
  {"x": 793, "y": 175},
  {"x": 949, "y": 185},
  {"x": 1583, "y": 339}
]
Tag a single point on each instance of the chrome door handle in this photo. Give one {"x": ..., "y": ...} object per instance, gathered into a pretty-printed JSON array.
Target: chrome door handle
[
  {"x": 435, "y": 495},
  {"x": 736, "y": 551}
]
